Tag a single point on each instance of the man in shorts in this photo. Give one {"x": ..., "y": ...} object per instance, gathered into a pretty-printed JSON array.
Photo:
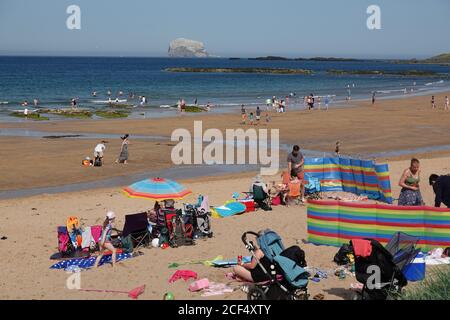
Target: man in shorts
[
  {"x": 258, "y": 115},
  {"x": 296, "y": 162}
]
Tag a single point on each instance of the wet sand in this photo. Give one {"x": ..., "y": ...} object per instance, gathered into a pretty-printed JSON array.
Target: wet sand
[{"x": 362, "y": 129}]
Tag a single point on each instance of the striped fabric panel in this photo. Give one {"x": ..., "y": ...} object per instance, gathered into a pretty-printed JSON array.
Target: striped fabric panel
[
  {"x": 335, "y": 222},
  {"x": 351, "y": 175}
]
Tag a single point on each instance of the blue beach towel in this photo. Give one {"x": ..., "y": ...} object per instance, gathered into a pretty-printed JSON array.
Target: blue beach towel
[{"x": 86, "y": 263}]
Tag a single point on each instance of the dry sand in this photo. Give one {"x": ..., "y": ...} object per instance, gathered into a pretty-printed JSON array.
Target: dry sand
[{"x": 31, "y": 239}]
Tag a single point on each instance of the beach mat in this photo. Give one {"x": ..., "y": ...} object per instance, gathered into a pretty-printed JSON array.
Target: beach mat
[
  {"x": 228, "y": 210},
  {"x": 231, "y": 262},
  {"x": 86, "y": 263}
]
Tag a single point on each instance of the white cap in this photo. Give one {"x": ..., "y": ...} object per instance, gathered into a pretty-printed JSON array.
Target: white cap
[{"x": 110, "y": 215}]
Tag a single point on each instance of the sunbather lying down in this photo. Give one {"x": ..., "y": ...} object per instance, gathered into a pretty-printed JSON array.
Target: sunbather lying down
[{"x": 252, "y": 272}]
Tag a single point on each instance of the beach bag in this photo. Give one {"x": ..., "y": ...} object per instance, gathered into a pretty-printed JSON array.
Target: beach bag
[
  {"x": 127, "y": 244},
  {"x": 180, "y": 234},
  {"x": 341, "y": 258},
  {"x": 276, "y": 201},
  {"x": 164, "y": 237},
  {"x": 204, "y": 224}
]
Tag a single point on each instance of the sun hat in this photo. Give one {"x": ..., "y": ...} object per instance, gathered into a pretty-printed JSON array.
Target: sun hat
[
  {"x": 258, "y": 178},
  {"x": 110, "y": 215}
]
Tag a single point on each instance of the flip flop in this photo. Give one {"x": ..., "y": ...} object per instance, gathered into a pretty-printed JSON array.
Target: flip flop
[{"x": 319, "y": 297}]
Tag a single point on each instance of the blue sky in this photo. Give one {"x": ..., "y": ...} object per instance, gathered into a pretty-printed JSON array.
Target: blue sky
[{"x": 410, "y": 28}]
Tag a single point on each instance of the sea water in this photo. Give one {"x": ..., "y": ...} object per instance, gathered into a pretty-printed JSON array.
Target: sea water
[{"x": 54, "y": 81}]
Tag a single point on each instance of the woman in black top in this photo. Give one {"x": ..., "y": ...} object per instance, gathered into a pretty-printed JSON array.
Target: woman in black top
[{"x": 252, "y": 271}]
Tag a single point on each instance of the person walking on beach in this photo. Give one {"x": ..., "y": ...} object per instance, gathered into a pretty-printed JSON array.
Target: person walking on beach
[
  {"x": 250, "y": 118},
  {"x": 74, "y": 103},
  {"x": 373, "y": 97},
  {"x": 441, "y": 189},
  {"x": 105, "y": 239},
  {"x": 319, "y": 101},
  {"x": 312, "y": 101},
  {"x": 296, "y": 162},
  {"x": 446, "y": 106},
  {"x": 327, "y": 102},
  {"x": 410, "y": 194},
  {"x": 195, "y": 102},
  {"x": 349, "y": 93},
  {"x": 258, "y": 115},
  {"x": 123, "y": 156},
  {"x": 243, "y": 115},
  {"x": 25, "y": 112},
  {"x": 433, "y": 103},
  {"x": 337, "y": 150}
]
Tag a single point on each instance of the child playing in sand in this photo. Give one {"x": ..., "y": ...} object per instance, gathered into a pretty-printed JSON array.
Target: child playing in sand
[{"x": 105, "y": 240}]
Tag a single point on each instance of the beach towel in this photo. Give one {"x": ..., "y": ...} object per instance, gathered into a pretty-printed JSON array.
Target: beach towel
[
  {"x": 96, "y": 232},
  {"x": 183, "y": 274},
  {"x": 88, "y": 263},
  {"x": 215, "y": 289}
]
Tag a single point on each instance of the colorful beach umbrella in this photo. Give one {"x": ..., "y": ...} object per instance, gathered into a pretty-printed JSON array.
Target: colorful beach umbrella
[{"x": 157, "y": 189}]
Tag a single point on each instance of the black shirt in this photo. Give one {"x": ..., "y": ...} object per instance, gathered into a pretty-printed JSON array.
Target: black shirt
[{"x": 442, "y": 191}]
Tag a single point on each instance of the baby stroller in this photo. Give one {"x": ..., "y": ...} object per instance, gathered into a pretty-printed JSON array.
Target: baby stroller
[
  {"x": 388, "y": 263},
  {"x": 287, "y": 278}
]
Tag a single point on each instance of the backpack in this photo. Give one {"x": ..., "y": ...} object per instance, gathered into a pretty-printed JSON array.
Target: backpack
[
  {"x": 341, "y": 257},
  {"x": 180, "y": 233}
]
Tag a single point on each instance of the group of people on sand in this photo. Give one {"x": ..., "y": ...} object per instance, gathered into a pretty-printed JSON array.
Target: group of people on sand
[
  {"x": 99, "y": 152},
  {"x": 254, "y": 118},
  {"x": 410, "y": 194},
  {"x": 434, "y": 105},
  {"x": 108, "y": 227}
]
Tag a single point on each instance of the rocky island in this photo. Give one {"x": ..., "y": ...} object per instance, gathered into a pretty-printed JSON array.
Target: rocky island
[
  {"x": 185, "y": 48},
  {"x": 242, "y": 70}
]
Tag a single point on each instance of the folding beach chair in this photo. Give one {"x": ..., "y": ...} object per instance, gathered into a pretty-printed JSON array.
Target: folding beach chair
[
  {"x": 136, "y": 227},
  {"x": 294, "y": 193}
]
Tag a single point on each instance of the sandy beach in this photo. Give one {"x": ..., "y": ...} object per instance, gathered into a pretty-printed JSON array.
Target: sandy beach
[
  {"x": 362, "y": 129},
  {"x": 29, "y": 224},
  {"x": 30, "y": 227}
]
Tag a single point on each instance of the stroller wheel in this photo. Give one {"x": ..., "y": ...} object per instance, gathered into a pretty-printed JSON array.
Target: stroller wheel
[{"x": 256, "y": 293}]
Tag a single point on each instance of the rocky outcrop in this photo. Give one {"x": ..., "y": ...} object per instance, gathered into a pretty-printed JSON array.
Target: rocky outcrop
[{"x": 185, "y": 48}]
